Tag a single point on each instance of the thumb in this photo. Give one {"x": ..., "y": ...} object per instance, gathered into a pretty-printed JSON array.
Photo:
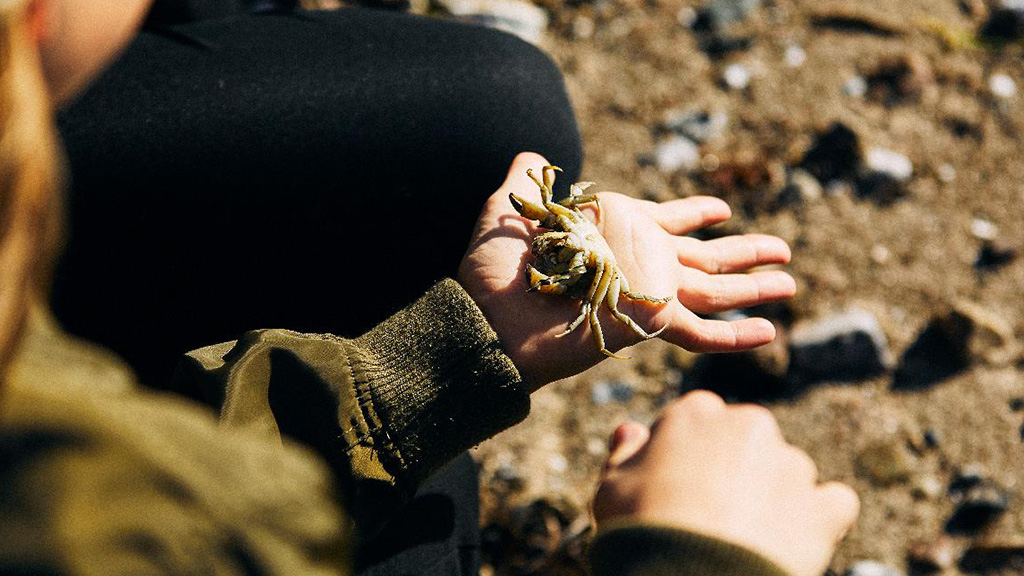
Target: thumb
[
  {"x": 517, "y": 180},
  {"x": 626, "y": 441}
]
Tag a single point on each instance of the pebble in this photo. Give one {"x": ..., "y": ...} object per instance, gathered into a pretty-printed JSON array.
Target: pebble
[
  {"x": 835, "y": 155},
  {"x": 927, "y": 488},
  {"x": 607, "y": 391},
  {"x": 686, "y": 17},
  {"x": 1002, "y": 86},
  {"x": 978, "y": 505},
  {"x": 1017, "y": 404},
  {"x": 583, "y": 27},
  {"x": 884, "y": 463},
  {"x": 558, "y": 463},
  {"x": 984, "y": 229},
  {"x": 939, "y": 554},
  {"x": 801, "y": 187},
  {"x": 514, "y": 16},
  {"x": 889, "y": 163},
  {"x": 841, "y": 347},
  {"x": 795, "y": 56},
  {"x": 946, "y": 173},
  {"x": 676, "y": 153},
  {"x": 880, "y": 254},
  {"x": 700, "y": 126},
  {"x": 1006, "y": 21},
  {"x": 932, "y": 438},
  {"x": 994, "y": 254},
  {"x": 855, "y": 87},
  {"x": 872, "y": 568},
  {"x": 737, "y": 76},
  {"x": 718, "y": 14}
]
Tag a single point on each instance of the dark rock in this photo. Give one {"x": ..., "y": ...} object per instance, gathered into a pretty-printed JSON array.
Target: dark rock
[
  {"x": 1017, "y": 404},
  {"x": 993, "y": 255},
  {"x": 966, "y": 478},
  {"x": 932, "y": 438},
  {"x": 753, "y": 184},
  {"x": 719, "y": 45},
  {"x": 904, "y": 78},
  {"x": 979, "y": 504},
  {"x": 836, "y": 154},
  {"x": 749, "y": 376},
  {"x": 718, "y": 14},
  {"x": 951, "y": 342},
  {"x": 844, "y": 347},
  {"x": 1006, "y": 21},
  {"x": 988, "y": 558}
]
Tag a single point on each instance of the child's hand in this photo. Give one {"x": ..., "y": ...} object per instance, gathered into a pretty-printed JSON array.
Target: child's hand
[
  {"x": 650, "y": 244},
  {"x": 726, "y": 471}
]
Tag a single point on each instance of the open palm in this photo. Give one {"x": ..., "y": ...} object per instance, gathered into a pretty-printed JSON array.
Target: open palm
[{"x": 655, "y": 255}]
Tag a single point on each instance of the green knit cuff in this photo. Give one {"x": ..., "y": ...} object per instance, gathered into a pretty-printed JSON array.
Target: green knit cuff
[
  {"x": 438, "y": 383},
  {"x": 634, "y": 549}
]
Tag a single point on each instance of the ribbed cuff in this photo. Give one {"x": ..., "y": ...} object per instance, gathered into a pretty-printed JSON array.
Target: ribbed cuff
[
  {"x": 438, "y": 382},
  {"x": 634, "y": 549}
]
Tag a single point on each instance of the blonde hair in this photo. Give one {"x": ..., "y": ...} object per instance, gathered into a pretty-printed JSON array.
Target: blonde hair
[{"x": 30, "y": 177}]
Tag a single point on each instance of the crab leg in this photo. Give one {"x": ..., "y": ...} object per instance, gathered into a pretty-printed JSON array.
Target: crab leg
[
  {"x": 587, "y": 304},
  {"x": 546, "y": 193},
  {"x": 595, "y": 324},
  {"x": 613, "y": 303},
  {"x": 641, "y": 297}
]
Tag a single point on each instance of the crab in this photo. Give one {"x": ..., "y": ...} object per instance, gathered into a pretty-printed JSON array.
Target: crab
[{"x": 574, "y": 259}]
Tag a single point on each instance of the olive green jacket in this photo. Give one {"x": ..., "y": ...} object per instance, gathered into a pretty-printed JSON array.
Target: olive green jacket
[{"x": 99, "y": 477}]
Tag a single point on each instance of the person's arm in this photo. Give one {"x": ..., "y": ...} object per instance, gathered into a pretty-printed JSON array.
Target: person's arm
[
  {"x": 385, "y": 409},
  {"x": 714, "y": 489}
]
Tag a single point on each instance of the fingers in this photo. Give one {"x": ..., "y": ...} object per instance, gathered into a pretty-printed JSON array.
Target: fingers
[
  {"x": 688, "y": 214},
  {"x": 839, "y": 504},
  {"x": 698, "y": 334},
  {"x": 732, "y": 253},
  {"x": 706, "y": 293},
  {"x": 626, "y": 441}
]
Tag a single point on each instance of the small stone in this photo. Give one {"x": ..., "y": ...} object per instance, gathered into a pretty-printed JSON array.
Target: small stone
[
  {"x": 514, "y": 16},
  {"x": 903, "y": 78},
  {"x": 855, "y": 87},
  {"x": 507, "y": 473},
  {"x": 892, "y": 164},
  {"x": 978, "y": 506},
  {"x": 1002, "y": 86},
  {"x": 596, "y": 447},
  {"x": 1006, "y": 21},
  {"x": 835, "y": 155},
  {"x": 737, "y": 76},
  {"x": 985, "y": 558},
  {"x": 932, "y": 438},
  {"x": 880, "y": 254},
  {"x": 583, "y": 27},
  {"x": 884, "y": 175},
  {"x": 686, "y": 16},
  {"x": 795, "y": 56},
  {"x": 946, "y": 173},
  {"x": 872, "y": 568},
  {"x": 884, "y": 463},
  {"x": 710, "y": 163},
  {"x": 607, "y": 391},
  {"x": 927, "y": 487},
  {"x": 1017, "y": 404},
  {"x": 801, "y": 188},
  {"x": 718, "y": 14},
  {"x": 843, "y": 347},
  {"x": 675, "y": 154},
  {"x": 558, "y": 463},
  {"x": 700, "y": 126},
  {"x": 984, "y": 229},
  {"x": 934, "y": 556},
  {"x": 994, "y": 254}
]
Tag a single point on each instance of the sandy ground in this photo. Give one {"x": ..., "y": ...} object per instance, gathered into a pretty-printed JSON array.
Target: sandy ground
[{"x": 628, "y": 63}]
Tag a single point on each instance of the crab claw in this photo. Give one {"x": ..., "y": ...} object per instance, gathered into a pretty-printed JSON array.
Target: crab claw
[{"x": 528, "y": 209}]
